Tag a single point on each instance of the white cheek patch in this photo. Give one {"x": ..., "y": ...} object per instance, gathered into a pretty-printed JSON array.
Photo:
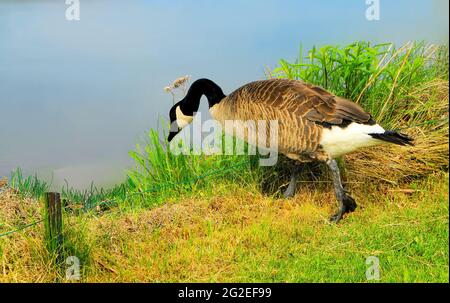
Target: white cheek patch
[
  {"x": 182, "y": 119},
  {"x": 338, "y": 141}
]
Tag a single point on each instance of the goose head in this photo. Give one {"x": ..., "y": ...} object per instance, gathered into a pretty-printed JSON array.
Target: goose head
[{"x": 180, "y": 116}]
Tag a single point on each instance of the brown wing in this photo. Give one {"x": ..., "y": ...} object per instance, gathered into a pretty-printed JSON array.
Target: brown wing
[
  {"x": 311, "y": 102},
  {"x": 337, "y": 111}
]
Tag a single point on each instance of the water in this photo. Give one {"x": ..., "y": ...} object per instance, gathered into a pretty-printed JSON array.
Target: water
[{"x": 76, "y": 96}]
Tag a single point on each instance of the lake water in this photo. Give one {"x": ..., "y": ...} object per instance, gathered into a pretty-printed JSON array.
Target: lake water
[{"x": 75, "y": 96}]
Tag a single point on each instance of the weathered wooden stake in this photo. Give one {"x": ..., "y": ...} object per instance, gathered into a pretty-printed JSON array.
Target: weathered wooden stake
[{"x": 53, "y": 224}]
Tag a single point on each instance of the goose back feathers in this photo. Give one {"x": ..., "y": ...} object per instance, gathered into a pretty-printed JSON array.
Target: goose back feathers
[{"x": 304, "y": 112}]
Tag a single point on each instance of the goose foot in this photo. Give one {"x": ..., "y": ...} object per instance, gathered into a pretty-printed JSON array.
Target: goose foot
[
  {"x": 290, "y": 191},
  {"x": 348, "y": 205}
]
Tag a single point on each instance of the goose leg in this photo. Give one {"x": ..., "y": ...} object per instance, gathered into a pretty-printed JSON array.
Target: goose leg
[
  {"x": 346, "y": 203},
  {"x": 290, "y": 191}
]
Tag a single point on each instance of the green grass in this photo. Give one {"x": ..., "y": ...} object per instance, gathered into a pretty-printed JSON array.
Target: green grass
[
  {"x": 409, "y": 236},
  {"x": 95, "y": 197},
  {"x": 33, "y": 187},
  {"x": 29, "y": 186},
  {"x": 159, "y": 174}
]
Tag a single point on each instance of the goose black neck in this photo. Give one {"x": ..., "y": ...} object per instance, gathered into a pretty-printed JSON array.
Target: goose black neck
[{"x": 200, "y": 87}]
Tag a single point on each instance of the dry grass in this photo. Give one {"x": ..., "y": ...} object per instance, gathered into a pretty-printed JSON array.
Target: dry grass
[
  {"x": 3, "y": 182},
  {"x": 393, "y": 163},
  {"x": 23, "y": 254},
  {"x": 16, "y": 210}
]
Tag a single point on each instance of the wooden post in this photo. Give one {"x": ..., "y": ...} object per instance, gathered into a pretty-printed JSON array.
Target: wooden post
[{"x": 53, "y": 224}]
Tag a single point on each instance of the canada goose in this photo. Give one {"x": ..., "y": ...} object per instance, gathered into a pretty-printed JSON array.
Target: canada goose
[{"x": 314, "y": 125}]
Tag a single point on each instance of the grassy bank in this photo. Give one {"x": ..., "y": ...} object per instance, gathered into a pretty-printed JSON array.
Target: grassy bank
[
  {"x": 241, "y": 235},
  {"x": 221, "y": 218}
]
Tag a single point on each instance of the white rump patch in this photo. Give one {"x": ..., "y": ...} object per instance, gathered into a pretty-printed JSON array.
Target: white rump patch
[
  {"x": 182, "y": 119},
  {"x": 339, "y": 141}
]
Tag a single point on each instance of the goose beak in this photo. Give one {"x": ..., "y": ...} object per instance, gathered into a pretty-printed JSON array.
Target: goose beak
[{"x": 171, "y": 136}]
